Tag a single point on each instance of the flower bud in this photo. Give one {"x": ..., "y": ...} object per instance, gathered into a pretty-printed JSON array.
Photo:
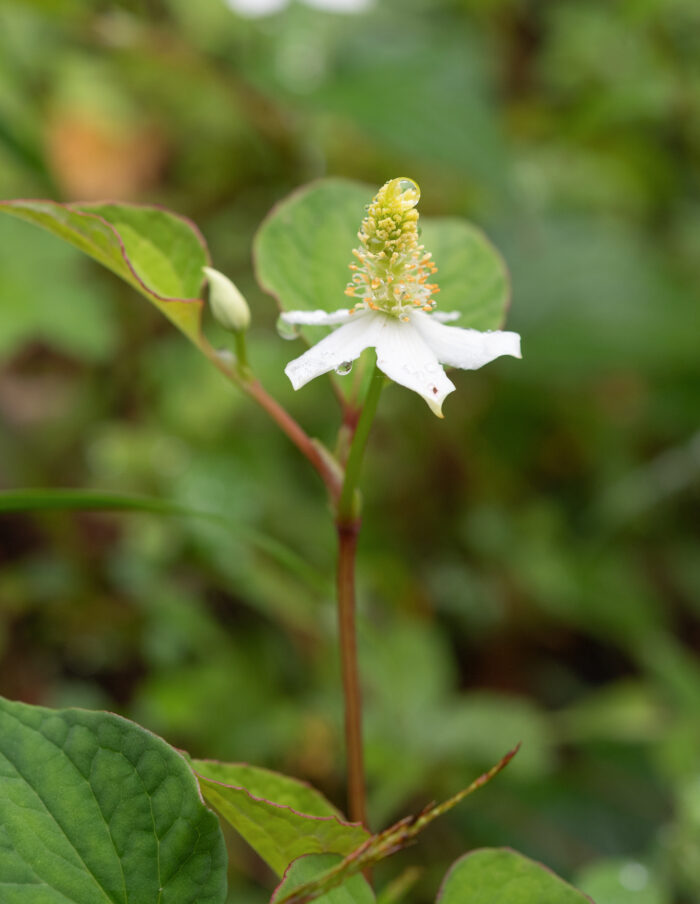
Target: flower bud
[{"x": 228, "y": 306}]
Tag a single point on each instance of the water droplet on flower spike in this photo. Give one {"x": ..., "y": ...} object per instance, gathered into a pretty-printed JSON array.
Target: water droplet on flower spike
[
  {"x": 344, "y": 368},
  {"x": 410, "y": 189},
  {"x": 286, "y": 330}
]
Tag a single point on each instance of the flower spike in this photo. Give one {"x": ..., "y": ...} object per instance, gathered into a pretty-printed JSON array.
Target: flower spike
[
  {"x": 394, "y": 309},
  {"x": 393, "y": 270}
]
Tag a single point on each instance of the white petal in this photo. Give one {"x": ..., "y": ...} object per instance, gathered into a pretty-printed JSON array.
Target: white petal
[
  {"x": 406, "y": 358},
  {"x": 340, "y": 6},
  {"x": 255, "y": 8},
  {"x": 344, "y": 344},
  {"x": 468, "y": 349},
  {"x": 446, "y": 316},
  {"x": 317, "y": 318}
]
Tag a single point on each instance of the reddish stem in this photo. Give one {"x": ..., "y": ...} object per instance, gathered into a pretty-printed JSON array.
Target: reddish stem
[{"x": 347, "y": 547}]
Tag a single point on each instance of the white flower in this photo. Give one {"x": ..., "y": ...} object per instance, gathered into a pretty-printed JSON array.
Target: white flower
[
  {"x": 395, "y": 310},
  {"x": 258, "y": 8}
]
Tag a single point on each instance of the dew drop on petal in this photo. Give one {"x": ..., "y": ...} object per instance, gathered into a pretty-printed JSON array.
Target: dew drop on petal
[
  {"x": 344, "y": 368},
  {"x": 286, "y": 330},
  {"x": 407, "y": 186}
]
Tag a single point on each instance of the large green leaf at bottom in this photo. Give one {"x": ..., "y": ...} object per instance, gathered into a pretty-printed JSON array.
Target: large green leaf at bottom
[
  {"x": 281, "y": 818},
  {"x": 95, "y": 809},
  {"x": 157, "y": 252},
  {"x": 501, "y": 876},
  {"x": 304, "y": 246}
]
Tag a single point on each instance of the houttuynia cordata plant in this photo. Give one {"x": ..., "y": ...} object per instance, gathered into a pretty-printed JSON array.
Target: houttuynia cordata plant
[{"x": 95, "y": 808}]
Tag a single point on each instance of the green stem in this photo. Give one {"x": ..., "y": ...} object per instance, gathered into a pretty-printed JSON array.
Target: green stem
[
  {"x": 348, "y": 508},
  {"x": 242, "y": 353}
]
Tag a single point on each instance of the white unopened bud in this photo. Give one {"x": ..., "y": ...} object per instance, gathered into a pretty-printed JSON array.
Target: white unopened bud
[{"x": 227, "y": 304}]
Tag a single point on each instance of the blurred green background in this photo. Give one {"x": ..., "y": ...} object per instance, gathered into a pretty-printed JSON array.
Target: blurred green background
[{"x": 529, "y": 567}]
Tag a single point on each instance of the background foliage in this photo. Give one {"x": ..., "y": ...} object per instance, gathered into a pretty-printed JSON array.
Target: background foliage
[{"x": 529, "y": 566}]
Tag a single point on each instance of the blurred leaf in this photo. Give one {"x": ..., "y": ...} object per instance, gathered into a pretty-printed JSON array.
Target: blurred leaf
[
  {"x": 672, "y": 472},
  {"x": 606, "y": 62},
  {"x": 627, "y": 711},
  {"x": 482, "y": 724},
  {"x": 66, "y": 313},
  {"x": 621, "y": 882},
  {"x": 96, "y": 808},
  {"x": 681, "y": 840},
  {"x": 355, "y": 890},
  {"x": 412, "y": 655},
  {"x": 606, "y": 288},
  {"x": 304, "y": 247},
  {"x": 95, "y": 500},
  {"x": 500, "y": 876},
  {"x": 399, "y": 887},
  {"x": 157, "y": 252},
  {"x": 279, "y": 817},
  {"x": 426, "y": 104},
  {"x": 21, "y": 148}
]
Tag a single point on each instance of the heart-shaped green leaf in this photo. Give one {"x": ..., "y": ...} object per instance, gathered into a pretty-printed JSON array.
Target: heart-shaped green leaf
[
  {"x": 96, "y": 809},
  {"x": 304, "y": 246},
  {"x": 281, "y": 818},
  {"x": 500, "y": 876},
  {"x": 471, "y": 274},
  {"x": 355, "y": 890},
  {"x": 157, "y": 252}
]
